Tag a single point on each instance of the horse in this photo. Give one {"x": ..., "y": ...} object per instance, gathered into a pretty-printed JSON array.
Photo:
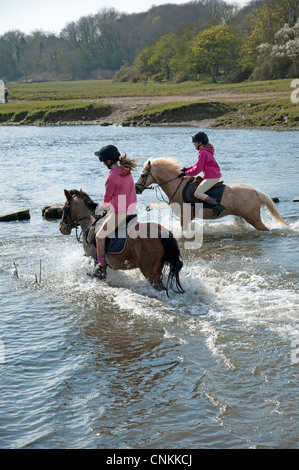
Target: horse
[
  {"x": 239, "y": 199},
  {"x": 147, "y": 252}
]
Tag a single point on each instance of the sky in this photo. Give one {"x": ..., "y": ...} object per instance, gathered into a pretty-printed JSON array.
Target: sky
[{"x": 53, "y": 15}]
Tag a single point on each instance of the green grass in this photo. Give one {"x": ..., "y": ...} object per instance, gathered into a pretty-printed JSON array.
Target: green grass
[
  {"x": 274, "y": 113},
  {"x": 180, "y": 111},
  {"x": 95, "y": 89},
  {"x": 279, "y": 114},
  {"x": 49, "y": 112}
]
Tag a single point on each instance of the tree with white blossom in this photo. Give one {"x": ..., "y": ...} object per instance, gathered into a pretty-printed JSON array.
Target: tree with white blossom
[{"x": 279, "y": 58}]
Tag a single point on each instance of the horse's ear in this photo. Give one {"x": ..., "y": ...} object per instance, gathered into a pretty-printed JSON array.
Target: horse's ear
[
  {"x": 149, "y": 163},
  {"x": 67, "y": 194}
]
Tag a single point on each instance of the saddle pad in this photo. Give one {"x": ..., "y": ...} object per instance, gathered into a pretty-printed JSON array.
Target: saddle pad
[
  {"x": 117, "y": 240},
  {"x": 188, "y": 192}
]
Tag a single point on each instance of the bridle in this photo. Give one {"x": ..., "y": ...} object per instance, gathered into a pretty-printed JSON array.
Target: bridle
[
  {"x": 66, "y": 212},
  {"x": 74, "y": 223},
  {"x": 159, "y": 185}
]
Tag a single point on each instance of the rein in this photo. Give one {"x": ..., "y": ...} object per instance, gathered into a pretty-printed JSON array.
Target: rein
[{"x": 159, "y": 185}]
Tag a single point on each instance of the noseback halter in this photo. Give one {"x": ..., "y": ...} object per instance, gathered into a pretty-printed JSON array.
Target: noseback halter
[
  {"x": 73, "y": 223},
  {"x": 144, "y": 180},
  {"x": 76, "y": 222},
  {"x": 66, "y": 212}
]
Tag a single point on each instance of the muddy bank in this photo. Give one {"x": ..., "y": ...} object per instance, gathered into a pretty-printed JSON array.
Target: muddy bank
[
  {"x": 181, "y": 112},
  {"x": 273, "y": 110},
  {"x": 51, "y": 112},
  {"x": 280, "y": 114}
]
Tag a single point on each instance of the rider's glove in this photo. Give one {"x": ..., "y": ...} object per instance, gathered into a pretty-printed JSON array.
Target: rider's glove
[
  {"x": 100, "y": 211},
  {"x": 182, "y": 170}
]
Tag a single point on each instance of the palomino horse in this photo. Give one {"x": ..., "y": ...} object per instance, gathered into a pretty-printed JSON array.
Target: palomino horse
[
  {"x": 238, "y": 199},
  {"x": 147, "y": 252}
]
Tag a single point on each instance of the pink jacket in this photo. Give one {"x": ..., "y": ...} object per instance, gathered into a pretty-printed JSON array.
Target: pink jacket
[
  {"x": 206, "y": 163},
  {"x": 120, "y": 191}
]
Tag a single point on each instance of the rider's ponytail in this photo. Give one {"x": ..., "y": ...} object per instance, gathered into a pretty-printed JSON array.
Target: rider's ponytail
[
  {"x": 209, "y": 145},
  {"x": 129, "y": 163}
]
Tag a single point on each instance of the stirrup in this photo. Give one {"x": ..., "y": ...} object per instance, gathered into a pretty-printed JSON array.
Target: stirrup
[{"x": 218, "y": 208}]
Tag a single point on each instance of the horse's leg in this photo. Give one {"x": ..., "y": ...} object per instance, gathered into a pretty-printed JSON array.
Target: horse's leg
[
  {"x": 156, "y": 282},
  {"x": 151, "y": 262},
  {"x": 184, "y": 213},
  {"x": 153, "y": 273},
  {"x": 256, "y": 223},
  {"x": 244, "y": 202},
  {"x": 252, "y": 215},
  {"x": 146, "y": 254}
]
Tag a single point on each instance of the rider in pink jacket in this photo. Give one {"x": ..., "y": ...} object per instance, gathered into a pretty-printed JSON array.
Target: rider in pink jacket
[
  {"x": 206, "y": 163},
  {"x": 120, "y": 196},
  {"x": 211, "y": 172},
  {"x": 120, "y": 191}
]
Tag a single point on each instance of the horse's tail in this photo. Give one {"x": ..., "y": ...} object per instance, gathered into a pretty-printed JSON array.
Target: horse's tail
[
  {"x": 267, "y": 201},
  {"x": 172, "y": 256}
]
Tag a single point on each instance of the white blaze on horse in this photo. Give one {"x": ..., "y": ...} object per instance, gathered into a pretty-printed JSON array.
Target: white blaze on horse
[
  {"x": 239, "y": 199},
  {"x": 148, "y": 246}
]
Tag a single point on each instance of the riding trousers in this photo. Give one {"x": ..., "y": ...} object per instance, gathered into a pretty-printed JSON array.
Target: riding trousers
[
  {"x": 111, "y": 222},
  {"x": 204, "y": 186}
]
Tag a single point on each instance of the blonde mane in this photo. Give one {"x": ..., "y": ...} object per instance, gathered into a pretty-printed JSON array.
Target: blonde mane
[{"x": 166, "y": 163}]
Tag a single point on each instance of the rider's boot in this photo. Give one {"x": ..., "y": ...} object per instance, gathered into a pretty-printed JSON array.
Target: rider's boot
[
  {"x": 216, "y": 206},
  {"x": 101, "y": 269},
  {"x": 100, "y": 272}
]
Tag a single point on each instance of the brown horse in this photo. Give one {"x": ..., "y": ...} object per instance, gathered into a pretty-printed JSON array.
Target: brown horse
[
  {"x": 149, "y": 248},
  {"x": 238, "y": 199}
]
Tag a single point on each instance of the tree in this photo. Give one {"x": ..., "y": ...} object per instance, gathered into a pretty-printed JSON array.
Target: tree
[
  {"x": 214, "y": 48},
  {"x": 267, "y": 20},
  {"x": 162, "y": 54},
  {"x": 143, "y": 61},
  {"x": 111, "y": 40},
  {"x": 280, "y": 58},
  {"x": 10, "y": 50}
]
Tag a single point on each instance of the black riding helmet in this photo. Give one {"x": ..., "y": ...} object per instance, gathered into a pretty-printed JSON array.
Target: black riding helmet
[
  {"x": 108, "y": 152},
  {"x": 200, "y": 137}
]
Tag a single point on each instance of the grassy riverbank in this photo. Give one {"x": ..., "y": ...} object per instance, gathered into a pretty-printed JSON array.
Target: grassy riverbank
[
  {"x": 49, "y": 112},
  {"x": 273, "y": 113},
  {"x": 277, "y": 114},
  {"x": 246, "y": 104},
  {"x": 180, "y": 111}
]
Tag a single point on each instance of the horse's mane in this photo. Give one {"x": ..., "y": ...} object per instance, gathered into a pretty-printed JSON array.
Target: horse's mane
[
  {"x": 88, "y": 201},
  {"x": 170, "y": 163}
]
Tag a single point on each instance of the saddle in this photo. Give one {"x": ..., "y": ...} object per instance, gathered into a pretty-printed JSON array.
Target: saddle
[
  {"x": 215, "y": 192},
  {"x": 116, "y": 242}
]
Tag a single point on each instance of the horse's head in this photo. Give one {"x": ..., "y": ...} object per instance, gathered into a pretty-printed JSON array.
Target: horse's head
[
  {"x": 159, "y": 171},
  {"x": 68, "y": 221},
  {"x": 78, "y": 207},
  {"x": 145, "y": 179}
]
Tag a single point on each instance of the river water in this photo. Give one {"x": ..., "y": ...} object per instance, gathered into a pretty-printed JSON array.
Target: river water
[{"x": 91, "y": 364}]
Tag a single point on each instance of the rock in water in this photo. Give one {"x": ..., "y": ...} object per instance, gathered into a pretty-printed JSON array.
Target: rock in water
[
  {"x": 22, "y": 214},
  {"x": 54, "y": 211}
]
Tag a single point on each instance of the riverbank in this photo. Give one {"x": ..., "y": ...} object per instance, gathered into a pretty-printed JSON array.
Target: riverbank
[
  {"x": 278, "y": 114},
  {"x": 51, "y": 112},
  {"x": 104, "y": 102}
]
